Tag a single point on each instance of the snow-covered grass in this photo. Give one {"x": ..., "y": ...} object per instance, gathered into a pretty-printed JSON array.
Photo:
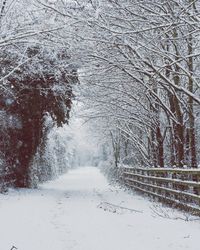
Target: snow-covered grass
[{"x": 81, "y": 211}]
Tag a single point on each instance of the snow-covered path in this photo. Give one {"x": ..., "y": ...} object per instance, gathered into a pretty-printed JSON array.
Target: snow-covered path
[{"x": 80, "y": 211}]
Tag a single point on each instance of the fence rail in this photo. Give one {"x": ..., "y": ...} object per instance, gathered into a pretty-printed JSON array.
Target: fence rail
[{"x": 178, "y": 187}]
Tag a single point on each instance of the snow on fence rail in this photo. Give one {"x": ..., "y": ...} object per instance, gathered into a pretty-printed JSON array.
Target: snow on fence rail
[
  {"x": 6, "y": 180},
  {"x": 178, "y": 187}
]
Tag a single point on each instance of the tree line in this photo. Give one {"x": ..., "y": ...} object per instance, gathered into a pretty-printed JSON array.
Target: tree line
[
  {"x": 144, "y": 68},
  {"x": 35, "y": 89},
  {"x": 138, "y": 62}
]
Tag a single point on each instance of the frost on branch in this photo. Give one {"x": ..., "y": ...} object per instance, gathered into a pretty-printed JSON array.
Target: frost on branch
[{"x": 40, "y": 87}]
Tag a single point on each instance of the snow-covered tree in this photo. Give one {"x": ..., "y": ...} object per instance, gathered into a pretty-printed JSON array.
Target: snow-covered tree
[{"x": 36, "y": 81}]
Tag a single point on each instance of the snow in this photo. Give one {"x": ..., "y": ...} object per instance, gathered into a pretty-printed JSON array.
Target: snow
[{"x": 81, "y": 211}]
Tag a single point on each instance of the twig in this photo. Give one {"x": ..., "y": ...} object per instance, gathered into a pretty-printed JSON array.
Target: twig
[
  {"x": 163, "y": 213},
  {"x": 13, "y": 247},
  {"x": 116, "y": 206}
]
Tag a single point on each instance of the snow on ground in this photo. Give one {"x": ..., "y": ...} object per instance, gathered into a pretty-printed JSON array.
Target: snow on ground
[{"x": 81, "y": 211}]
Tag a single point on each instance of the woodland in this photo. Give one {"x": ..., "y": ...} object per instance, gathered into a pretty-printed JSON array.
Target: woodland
[{"x": 136, "y": 64}]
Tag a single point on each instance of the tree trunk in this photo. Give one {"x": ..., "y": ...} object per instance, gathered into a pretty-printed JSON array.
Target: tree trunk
[
  {"x": 160, "y": 151},
  {"x": 192, "y": 139}
]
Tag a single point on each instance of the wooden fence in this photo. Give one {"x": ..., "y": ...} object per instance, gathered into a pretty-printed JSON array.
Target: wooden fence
[
  {"x": 178, "y": 187},
  {"x": 6, "y": 180}
]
